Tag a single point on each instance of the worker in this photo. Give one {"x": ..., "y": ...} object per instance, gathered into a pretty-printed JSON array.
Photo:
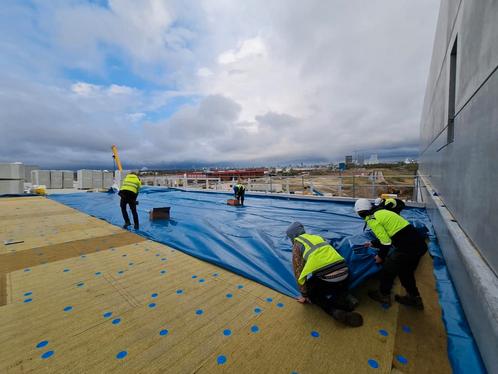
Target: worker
[
  {"x": 409, "y": 246},
  {"x": 392, "y": 204},
  {"x": 322, "y": 275},
  {"x": 239, "y": 190},
  {"x": 129, "y": 193}
]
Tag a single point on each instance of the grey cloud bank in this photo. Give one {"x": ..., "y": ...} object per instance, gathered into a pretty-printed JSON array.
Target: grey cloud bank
[{"x": 272, "y": 81}]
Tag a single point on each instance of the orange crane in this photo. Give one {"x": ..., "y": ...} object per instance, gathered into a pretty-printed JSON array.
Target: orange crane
[
  {"x": 115, "y": 156},
  {"x": 117, "y": 174}
]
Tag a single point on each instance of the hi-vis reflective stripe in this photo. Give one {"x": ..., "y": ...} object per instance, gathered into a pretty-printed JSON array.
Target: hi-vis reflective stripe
[{"x": 312, "y": 247}]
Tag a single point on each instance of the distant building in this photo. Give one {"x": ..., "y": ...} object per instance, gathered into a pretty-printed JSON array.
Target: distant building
[
  {"x": 373, "y": 160},
  {"x": 458, "y": 159},
  {"x": 227, "y": 175},
  {"x": 361, "y": 159},
  {"x": 348, "y": 159}
]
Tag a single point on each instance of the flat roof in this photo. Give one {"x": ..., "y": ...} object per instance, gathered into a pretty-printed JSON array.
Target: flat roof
[{"x": 79, "y": 294}]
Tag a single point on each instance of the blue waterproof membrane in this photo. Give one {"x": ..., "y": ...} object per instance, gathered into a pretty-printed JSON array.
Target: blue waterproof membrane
[
  {"x": 251, "y": 241},
  {"x": 462, "y": 349}
]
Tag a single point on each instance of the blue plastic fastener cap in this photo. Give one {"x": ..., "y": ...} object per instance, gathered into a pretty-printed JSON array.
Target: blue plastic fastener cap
[
  {"x": 121, "y": 355},
  {"x": 163, "y": 332},
  {"x": 401, "y": 359},
  {"x": 315, "y": 334},
  {"x": 42, "y": 344},
  {"x": 373, "y": 364},
  {"x": 227, "y": 332},
  {"x": 221, "y": 360},
  {"x": 47, "y": 354}
]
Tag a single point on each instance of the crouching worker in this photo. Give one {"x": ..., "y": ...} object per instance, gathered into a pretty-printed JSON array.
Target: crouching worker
[
  {"x": 394, "y": 205},
  {"x": 322, "y": 275},
  {"x": 129, "y": 193},
  {"x": 408, "y": 247}
]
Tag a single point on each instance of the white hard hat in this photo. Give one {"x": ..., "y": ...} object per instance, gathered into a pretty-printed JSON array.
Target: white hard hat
[{"x": 362, "y": 204}]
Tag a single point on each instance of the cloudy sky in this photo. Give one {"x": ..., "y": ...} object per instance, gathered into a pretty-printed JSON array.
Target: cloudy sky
[{"x": 216, "y": 81}]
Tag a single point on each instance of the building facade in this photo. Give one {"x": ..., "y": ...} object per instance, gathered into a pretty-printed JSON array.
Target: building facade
[{"x": 459, "y": 158}]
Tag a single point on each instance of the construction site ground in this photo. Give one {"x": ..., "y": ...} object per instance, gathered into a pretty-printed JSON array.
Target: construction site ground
[{"x": 80, "y": 295}]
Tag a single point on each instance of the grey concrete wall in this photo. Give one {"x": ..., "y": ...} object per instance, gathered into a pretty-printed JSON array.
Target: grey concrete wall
[
  {"x": 474, "y": 281},
  {"x": 464, "y": 173}
]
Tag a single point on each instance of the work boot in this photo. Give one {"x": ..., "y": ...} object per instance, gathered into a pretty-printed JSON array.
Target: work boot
[
  {"x": 126, "y": 225},
  {"x": 352, "y": 301},
  {"x": 352, "y": 319},
  {"x": 380, "y": 297},
  {"x": 408, "y": 300},
  {"x": 136, "y": 227}
]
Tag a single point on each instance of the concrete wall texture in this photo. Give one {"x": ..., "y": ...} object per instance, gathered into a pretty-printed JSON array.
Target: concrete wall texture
[{"x": 464, "y": 172}]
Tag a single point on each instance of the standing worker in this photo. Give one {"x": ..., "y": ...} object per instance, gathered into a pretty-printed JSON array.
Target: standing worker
[
  {"x": 129, "y": 193},
  {"x": 239, "y": 190},
  {"x": 409, "y": 246},
  {"x": 322, "y": 275}
]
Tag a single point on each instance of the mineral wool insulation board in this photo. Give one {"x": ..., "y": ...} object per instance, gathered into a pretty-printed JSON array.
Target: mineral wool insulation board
[
  {"x": 107, "y": 179},
  {"x": 41, "y": 177},
  {"x": 67, "y": 179},
  {"x": 11, "y": 186},
  {"x": 27, "y": 172},
  {"x": 11, "y": 171},
  {"x": 84, "y": 179},
  {"x": 97, "y": 179},
  {"x": 55, "y": 179}
]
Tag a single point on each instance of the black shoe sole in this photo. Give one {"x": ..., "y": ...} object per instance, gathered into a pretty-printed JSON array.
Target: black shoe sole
[
  {"x": 415, "y": 306},
  {"x": 351, "y": 319}
]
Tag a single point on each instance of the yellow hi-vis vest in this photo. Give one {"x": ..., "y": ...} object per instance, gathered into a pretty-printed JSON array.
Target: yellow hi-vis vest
[
  {"x": 131, "y": 183},
  {"x": 318, "y": 253},
  {"x": 385, "y": 224}
]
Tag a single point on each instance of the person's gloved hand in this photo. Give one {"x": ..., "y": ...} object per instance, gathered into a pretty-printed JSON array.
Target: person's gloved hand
[
  {"x": 303, "y": 300},
  {"x": 378, "y": 259}
]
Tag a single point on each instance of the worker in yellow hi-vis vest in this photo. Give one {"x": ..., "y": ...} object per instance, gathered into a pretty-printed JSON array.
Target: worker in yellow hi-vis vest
[
  {"x": 129, "y": 193},
  {"x": 408, "y": 246},
  {"x": 322, "y": 275}
]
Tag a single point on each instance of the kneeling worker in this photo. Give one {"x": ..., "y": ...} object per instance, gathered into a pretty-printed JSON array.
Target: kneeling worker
[
  {"x": 409, "y": 246},
  {"x": 239, "y": 190},
  {"x": 129, "y": 193},
  {"x": 322, "y": 275}
]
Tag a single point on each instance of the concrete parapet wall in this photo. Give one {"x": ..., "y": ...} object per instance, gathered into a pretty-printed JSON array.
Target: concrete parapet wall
[{"x": 474, "y": 280}]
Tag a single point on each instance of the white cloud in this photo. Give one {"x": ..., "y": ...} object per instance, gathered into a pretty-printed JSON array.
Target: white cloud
[
  {"x": 249, "y": 48},
  {"x": 271, "y": 81}
]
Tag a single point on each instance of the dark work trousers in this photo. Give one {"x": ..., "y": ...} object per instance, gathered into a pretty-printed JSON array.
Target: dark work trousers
[
  {"x": 403, "y": 261},
  {"x": 129, "y": 198},
  {"x": 239, "y": 195},
  {"x": 328, "y": 295}
]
